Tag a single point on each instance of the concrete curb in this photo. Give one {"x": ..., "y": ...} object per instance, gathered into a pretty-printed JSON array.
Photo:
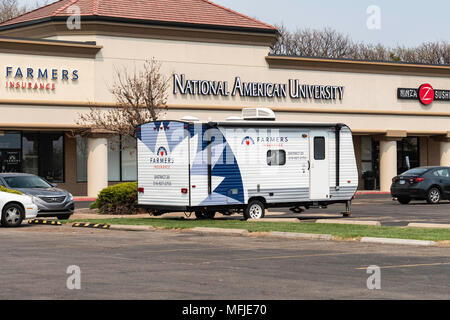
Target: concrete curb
[
  {"x": 224, "y": 231},
  {"x": 357, "y": 222},
  {"x": 398, "y": 241},
  {"x": 302, "y": 236},
  {"x": 131, "y": 228},
  {"x": 83, "y": 199},
  {"x": 429, "y": 225},
  {"x": 277, "y": 234},
  {"x": 364, "y": 193},
  {"x": 294, "y": 220}
]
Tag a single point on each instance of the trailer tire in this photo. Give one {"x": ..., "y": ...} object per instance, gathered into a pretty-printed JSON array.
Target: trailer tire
[
  {"x": 204, "y": 214},
  {"x": 254, "y": 210}
]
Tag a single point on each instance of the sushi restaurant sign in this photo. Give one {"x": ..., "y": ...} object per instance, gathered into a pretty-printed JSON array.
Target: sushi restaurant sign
[{"x": 43, "y": 79}]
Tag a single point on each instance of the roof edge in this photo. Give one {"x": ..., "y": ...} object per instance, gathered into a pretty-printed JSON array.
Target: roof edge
[
  {"x": 273, "y": 31},
  {"x": 240, "y": 14}
]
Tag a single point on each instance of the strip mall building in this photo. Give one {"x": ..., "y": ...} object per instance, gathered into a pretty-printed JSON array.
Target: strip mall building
[{"x": 218, "y": 62}]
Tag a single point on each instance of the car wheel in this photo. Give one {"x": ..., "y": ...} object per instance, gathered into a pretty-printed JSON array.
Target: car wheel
[
  {"x": 254, "y": 210},
  {"x": 63, "y": 216},
  {"x": 434, "y": 196},
  {"x": 404, "y": 200},
  {"x": 12, "y": 215}
]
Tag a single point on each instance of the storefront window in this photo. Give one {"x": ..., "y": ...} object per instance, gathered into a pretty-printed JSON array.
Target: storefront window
[
  {"x": 129, "y": 170},
  {"x": 369, "y": 175},
  {"x": 51, "y": 156},
  {"x": 81, "y": 159},
  {"x": 39, "y": 153},
  {"x": 121, "y": 159},
  {"x": 407, "y": 154},
  {"x": 114, "y": 159},
  {"x": 30, "y": 153},
  {"x": 10, "y": 152},
  {"x": 43, "y": 155},
  {"x": 10, "y": 140}
]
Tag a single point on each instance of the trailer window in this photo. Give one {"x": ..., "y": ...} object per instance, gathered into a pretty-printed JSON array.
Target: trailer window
[
  {"x": 276, "y": 157},
  {"x": 319, "y": 148}
]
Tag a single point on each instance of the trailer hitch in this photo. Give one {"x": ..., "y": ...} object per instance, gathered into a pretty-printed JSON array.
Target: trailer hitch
[{"x": 296, "y": 210}]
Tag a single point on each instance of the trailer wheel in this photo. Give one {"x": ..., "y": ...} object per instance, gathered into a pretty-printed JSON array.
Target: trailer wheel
[
  {"x": 254, "y": 210},
  {"x": 205, "y": 214}
]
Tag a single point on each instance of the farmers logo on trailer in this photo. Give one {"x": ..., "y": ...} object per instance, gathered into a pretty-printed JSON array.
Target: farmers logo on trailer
[
  {"x": 161, "y": 157},
  {"x": 247, "y": 141},
  {"x": 162, "y": 152}
]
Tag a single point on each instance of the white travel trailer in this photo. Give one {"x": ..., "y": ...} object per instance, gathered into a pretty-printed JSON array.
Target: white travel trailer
[{"x": 244, "y": 165}]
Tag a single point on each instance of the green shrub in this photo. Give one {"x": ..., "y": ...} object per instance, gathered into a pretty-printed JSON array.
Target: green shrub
[
  {"x": 117, "y": 199},
  {"x": 3, "y": 189}
]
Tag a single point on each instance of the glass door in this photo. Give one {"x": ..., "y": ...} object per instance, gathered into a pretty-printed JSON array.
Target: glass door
[{"x": 407, "y": 154}]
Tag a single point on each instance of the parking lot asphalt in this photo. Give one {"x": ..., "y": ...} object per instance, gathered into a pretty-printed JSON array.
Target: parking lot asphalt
[
  {"x": 368, "y": 207},
  {"x": 379, "y": 208},
  {"x": 183, "y": 265}
]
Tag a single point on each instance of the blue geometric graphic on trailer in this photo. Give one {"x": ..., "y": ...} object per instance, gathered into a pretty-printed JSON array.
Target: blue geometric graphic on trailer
[
  {"x": 226, "y": 178},
  {"x": 171, "y": 133}
]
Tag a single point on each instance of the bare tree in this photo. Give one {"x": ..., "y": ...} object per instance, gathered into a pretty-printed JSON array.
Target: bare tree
[
  {"x": 329, "y": 43},
  {"x": 312, "y": 43},
  {"x": 371, "y": 52},
  {"x": 141, "y": 97},
  {"x": 428, "y": 52},
  {"x": 10, "y": 9}
]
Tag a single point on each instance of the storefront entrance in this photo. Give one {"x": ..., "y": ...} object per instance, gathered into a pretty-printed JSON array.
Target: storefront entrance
[
  {"x": 40, "y": 153},
  {"x": 408, "y": 156}
]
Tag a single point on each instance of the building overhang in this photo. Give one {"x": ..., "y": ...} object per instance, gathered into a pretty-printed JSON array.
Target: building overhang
[
  {"x": 49, "y": 47},
  {"x": 359, "y": 66}
]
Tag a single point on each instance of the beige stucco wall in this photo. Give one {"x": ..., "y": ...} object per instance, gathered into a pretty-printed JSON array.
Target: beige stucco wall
[
  {"x": 364, "y": 92},
  {"x": 214, "y": 61}
]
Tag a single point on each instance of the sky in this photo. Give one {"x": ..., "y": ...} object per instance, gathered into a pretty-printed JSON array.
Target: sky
[{"x": 389, "y": 22}]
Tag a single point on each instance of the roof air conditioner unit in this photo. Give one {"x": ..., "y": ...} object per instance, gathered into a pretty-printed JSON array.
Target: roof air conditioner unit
[
  {"x": 234, "y": 118},
  {"x": 258, "y": 114},
  {"x": 190, "y": 119}
]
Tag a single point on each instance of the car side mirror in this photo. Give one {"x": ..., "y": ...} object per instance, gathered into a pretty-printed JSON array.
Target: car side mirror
[{"x": 54, "y": 185}]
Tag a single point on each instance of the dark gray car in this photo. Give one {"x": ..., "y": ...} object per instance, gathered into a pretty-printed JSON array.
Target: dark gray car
[{"x": 51, "y": 201}]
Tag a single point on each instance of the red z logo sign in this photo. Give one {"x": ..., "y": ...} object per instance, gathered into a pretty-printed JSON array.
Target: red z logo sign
[{"x": 426, "y": 94}]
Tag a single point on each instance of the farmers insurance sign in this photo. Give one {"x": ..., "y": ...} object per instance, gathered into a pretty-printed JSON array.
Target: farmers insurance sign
[
  {"x": 38, "y": 78},
  {"x": 294, "y": 88},
  {"x": 426, "y": 94}
]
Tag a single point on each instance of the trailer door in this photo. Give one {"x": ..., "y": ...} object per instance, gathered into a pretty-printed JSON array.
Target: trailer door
[
  {"x": 319, "y": 166},
  {"x": 163, "y": 164}
]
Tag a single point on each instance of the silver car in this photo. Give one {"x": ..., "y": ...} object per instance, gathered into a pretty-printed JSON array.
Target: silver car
[{"x": 51, "y": 201}]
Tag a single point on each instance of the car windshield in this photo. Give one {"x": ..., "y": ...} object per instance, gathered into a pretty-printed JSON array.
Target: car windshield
[
  {"x": 26, "y": 182},
  {"x": 414, "y": 172}
]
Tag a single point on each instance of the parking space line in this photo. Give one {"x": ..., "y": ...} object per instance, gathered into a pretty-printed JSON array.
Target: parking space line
[
  {"x": 177, "y": 250},
  {"x": 409, "y": 265},
  {"x": 295, "y": 256}
]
